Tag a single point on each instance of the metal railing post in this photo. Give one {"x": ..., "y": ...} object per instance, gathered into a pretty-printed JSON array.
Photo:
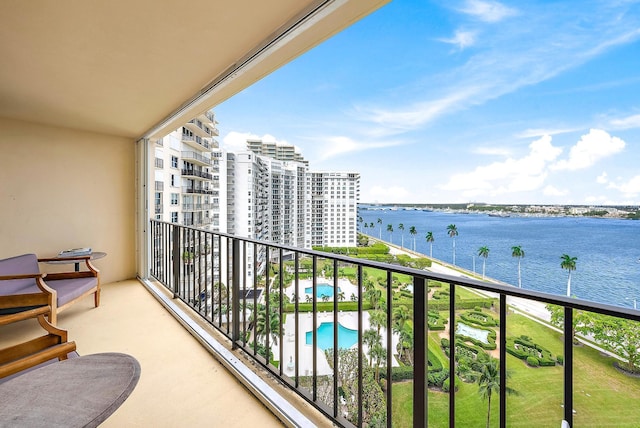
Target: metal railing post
[
  {"x": 176, "y": 259},
  {"x": 235, "y": 294},
  {"x": 420, "y": 356},
  {"x": 568, "y": 365}
]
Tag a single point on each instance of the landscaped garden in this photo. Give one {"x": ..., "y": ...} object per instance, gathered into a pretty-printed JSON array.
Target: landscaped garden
[{"x": 602, "y": 392}]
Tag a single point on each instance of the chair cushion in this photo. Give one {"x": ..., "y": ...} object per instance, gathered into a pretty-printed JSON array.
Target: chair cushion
[
  {"x": 19, "y": 265},
  {"x": 69, "y": 289}
]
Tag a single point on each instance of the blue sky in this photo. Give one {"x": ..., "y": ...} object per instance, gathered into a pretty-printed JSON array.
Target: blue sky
[{"x": 465, "y": 101}]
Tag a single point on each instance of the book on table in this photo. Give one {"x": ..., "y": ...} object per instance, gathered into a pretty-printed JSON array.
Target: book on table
[{"x": 84, "y": 251}]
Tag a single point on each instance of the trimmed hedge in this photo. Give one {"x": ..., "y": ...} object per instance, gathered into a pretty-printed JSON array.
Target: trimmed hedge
[
  {"x": 443, "y": 305},
  {"x": 533, "y": 361},
  {"x": 435, "y": 321},
  {"x": 474, "y": 315},
  {"x": 377, "y": 248},
  {"x": 447, "y": 384},
  {"x": 526, "y": 348},
  {"x": 406, "y": 372}
]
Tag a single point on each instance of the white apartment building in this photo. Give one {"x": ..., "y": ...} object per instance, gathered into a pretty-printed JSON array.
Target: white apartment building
[
  {"x": 187, "y": 175},
  {"x": 331, "y": 209}
]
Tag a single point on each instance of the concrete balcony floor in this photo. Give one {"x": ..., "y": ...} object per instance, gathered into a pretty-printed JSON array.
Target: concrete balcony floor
[{"x": 181, "y": 384}]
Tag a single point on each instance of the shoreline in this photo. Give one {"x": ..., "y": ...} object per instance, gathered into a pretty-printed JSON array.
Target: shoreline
[
  {"x": 531, "y": 309},
  {"x": 526, "y": 306}
]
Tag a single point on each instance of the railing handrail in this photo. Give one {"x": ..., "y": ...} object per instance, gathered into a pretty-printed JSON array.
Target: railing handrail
[{"x": 572, "y": 302}]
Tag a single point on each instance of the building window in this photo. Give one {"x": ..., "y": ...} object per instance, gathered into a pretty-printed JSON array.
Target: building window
[
  {"x": 174, "y": 217},
  {"x": 173, "y": 180},
  {"x": 174, "y": 162},
  {"x": 174, "y": 199},
  {"x": 158, "y": 198}
]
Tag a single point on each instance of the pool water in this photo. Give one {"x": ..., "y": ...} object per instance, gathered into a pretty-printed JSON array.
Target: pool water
[
  {"x": 322, "y": 290},
  {"x": 475, "y": 333},
  {"x": 346, "y": 337}
]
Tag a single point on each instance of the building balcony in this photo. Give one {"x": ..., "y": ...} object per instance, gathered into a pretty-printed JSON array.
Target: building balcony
[
  {"x": 130, "y": 320},
  {"x": 196, "y": 142},
  {"x": 198, "y": 190},
  {"x": 196, "y": 158},
  {"x": 195, "y": 173}
]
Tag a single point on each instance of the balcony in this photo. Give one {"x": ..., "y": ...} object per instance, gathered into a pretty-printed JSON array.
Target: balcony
[
  {"x": 310, "y": 375},
  {"x": 195, "y": 173},
  {"x": 131, "y": 321},
  {"x": 196, "y": 158},
  {"x": 196, "y": 142},
  {"x": 198, "y": 190}
]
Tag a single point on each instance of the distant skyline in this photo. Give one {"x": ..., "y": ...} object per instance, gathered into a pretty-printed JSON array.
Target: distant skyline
[{"x": 465, "y": 101}]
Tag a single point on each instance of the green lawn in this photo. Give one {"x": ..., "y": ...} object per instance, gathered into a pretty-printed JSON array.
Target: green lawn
[{"x": 603, "y": 397}]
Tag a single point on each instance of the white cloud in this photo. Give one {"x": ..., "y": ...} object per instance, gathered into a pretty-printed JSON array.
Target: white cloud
[
  {"x": 462, "y": 39},
  {"x": 341, "y": 145},
  {"x": 602, "y": 178},
  {"x": 389, "y": 194},
  {"x": 531, "y": 48},
  {"x": 629, "y": 188},
  {"x": 508, "y": 176},
  {"x": 531, "y": 132},
  {"x": 492, "y": 151},
  {"x": 626, "y": 122},
  {"x": 553, "y": 191},
  {"x": 592, "y": 147},
  {"x": 487, "y": 11}
]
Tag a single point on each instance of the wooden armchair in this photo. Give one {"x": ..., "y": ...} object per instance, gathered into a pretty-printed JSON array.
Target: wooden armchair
[
  {"x": 21, "y": 281},
  {"x": 22, "y": 356}
]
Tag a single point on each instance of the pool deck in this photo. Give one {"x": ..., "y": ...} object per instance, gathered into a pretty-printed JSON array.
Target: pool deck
[{"x": 348, "y": 320}]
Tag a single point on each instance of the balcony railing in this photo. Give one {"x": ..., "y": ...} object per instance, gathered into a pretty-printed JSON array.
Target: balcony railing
[
  {"x": 297, "y": 350},
  {"x": 196, "y": 173},
  {"x": 189, "y": 189},
  {"x": 193, "y": 156}
]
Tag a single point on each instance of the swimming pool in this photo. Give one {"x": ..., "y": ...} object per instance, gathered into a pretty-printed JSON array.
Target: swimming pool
[
  {"x": 474, "y": 333},
  {"x": 322, "y": 290},
  {"x": 346, "y": 337}
]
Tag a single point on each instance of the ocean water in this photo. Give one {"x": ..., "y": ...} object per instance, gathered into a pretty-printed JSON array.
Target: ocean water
[{"x": 607, "y": 250}]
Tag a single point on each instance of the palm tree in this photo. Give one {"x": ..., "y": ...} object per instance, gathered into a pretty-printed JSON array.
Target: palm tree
[
  {"x": 261, "y": 324},
  {"x": 413, "y": 232},
  {"x": 371, "y": 225},
  {"x": 568, "y": 263},
  {"x": 380, "y": 223},
  {"x": 452, "y": 231},
  {"x": 369, "y": 338},
  {"x": 400, "y": 316},
  {"x": 430, "y": 240},
  {"x": 401, "y": 229},
  {"x": 518, "y": 252},
  {"x": 489, "y": 382},
  {"x": 390, "y": 230},
  {"x": 484, "y": 253}
]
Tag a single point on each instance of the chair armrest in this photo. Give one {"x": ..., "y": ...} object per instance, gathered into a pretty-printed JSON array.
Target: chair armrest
[{"x": 22, "y": 276}]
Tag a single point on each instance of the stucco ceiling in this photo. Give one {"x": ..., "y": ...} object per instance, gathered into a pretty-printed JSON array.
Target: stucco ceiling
[{"x": 124, "y": 67}]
